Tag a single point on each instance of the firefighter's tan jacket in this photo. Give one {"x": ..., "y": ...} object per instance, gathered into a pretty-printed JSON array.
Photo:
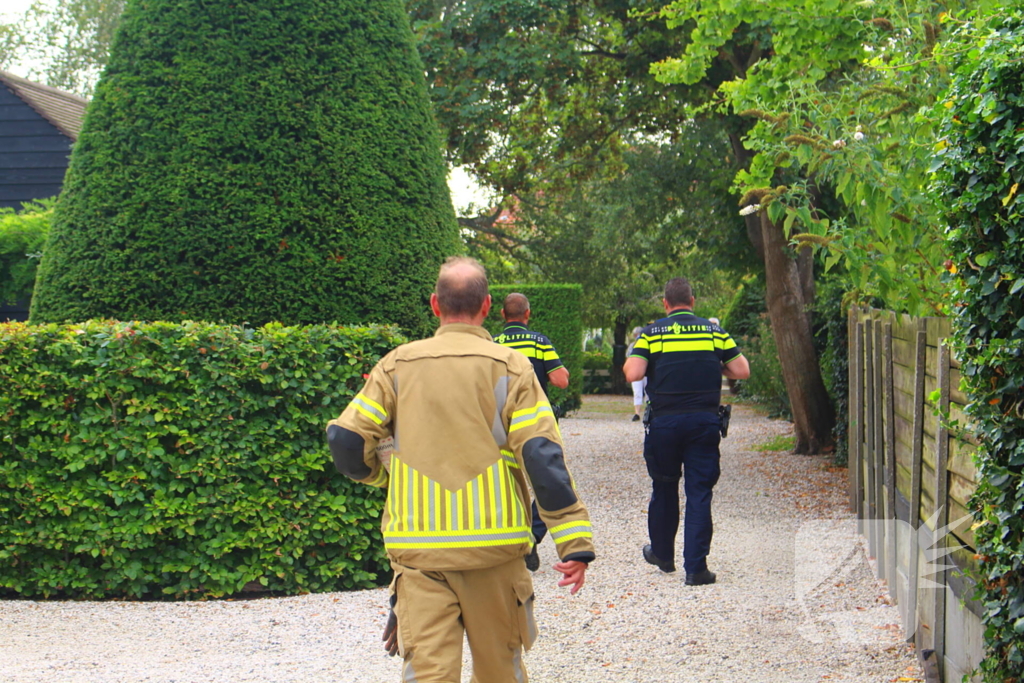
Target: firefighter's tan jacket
[{"x": 471, "y": 425}]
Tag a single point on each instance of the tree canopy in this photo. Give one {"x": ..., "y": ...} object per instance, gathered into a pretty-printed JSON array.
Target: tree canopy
[{"x": 183, "y": 200}]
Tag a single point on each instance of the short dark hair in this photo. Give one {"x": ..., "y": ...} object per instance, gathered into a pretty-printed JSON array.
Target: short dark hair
[
  {"x": 461, "y": 291},
  {"x": 516, "y": 305},
  {"x": 678, "y": 292}
]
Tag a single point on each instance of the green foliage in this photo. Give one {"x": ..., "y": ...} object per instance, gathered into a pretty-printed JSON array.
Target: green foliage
[
  {"x": 743, "y": 314},
  {"x": 832, "y": 341},
  {"x": 539, "y": 95},
  {"x": 765, "y": 385},
  {"x": 149, "y": 460},
  {"x": 22, "y": 236},
  {"x": 593, "y": 383},
  {"x": 979, "y": 175},
  {"x": 839, "y": 95},
  {"x": 666, "y": 213},
  {"x": 596, "y": 360},
  {"x": 554, "y": 312},
  {"x": 65, "y": 42},
  {"x": 254, "y": 162}
]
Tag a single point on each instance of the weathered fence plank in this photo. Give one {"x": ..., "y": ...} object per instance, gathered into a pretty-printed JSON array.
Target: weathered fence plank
[
  {"x": 941, "y": 496},
  {"x": 856, "y": 414},
  {"x": 909, "y": 465},
  {"x": 869, "y": 435},
  {"x": 890, "y": 464}
]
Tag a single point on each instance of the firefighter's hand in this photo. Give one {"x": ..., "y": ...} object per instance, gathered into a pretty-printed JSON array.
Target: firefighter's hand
[
  {"x": 573, "y": 574},
  {"x": 390, "y": 636}
]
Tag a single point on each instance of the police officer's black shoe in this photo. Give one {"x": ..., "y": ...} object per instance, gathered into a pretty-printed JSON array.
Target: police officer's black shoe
[
  {"x": 700, "y": 578},
  {"x": 533, "y": 559},
  {"x": 667, "y": 567}
]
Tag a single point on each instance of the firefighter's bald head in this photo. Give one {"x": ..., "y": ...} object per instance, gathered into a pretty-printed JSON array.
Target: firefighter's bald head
[{"x": 461, "y": 292}]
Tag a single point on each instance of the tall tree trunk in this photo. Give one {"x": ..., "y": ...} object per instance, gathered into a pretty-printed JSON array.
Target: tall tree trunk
[
  {"x": 813, "y": 416},
  {"x": 619, "y": 383},
  {"x": 805, "y": 271}
]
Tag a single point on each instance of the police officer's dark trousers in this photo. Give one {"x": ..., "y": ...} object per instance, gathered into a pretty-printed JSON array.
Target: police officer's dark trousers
[{"x": 682, "y": 445}]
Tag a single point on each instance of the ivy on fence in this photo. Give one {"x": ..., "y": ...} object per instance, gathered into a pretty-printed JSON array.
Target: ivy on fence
[{"x": 980, "y": 170}]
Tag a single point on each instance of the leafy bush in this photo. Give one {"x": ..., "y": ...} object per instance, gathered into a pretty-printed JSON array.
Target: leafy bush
[
  {"x": 597, "y": 384},
  {"x": 742, "y": 317},
  {"x": 979, "y": 175},
  {"x": 22, "y": 236},
  {"x": 831, "y": 342},
  {"x": 596, "y": 360},
  {"x": 254, "y": 162},
  {"x": 556, "y": 311},
  {"x": 146, "y": 460},
  {"x": 765, "y": 385}
]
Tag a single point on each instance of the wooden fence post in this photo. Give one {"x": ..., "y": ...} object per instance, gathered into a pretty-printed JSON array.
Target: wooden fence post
[
  {"x": 941, "y": 503},
  {"x": 890, "y": 466},
  {"x": 917, "y": 460},
  {"x": 853, "y": 432},
  {"x": 878, "y": 462},
  {"x": 860, "y": 431},
  {"x": 871, "y": 511}
]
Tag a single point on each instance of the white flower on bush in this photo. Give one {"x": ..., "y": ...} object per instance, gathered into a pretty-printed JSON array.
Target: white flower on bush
[
  {"x": 749, "y": 209},
  {"x": 839, "y": 144},
  {"x": 858, "y": 136}
]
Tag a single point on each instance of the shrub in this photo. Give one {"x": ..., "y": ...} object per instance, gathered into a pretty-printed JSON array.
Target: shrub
[
  {"x": 742, "y": 317},
  {"x": 22, "y": 236},
  {"x": 765, "y": 385},
  {"x": 594, "y": 383},
  {"x": 254, "y": 162},
  {"x": 147, "y": 460},
  {"x": 831, "y": 342},
  {"x": 556, "y": 311},
  {"x": 977, "y": 184},
  {"x": 596, "y": 360}
]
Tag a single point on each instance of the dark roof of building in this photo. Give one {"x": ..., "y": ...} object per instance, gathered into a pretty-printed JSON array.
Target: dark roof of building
[{"x": 63, "y": 109}]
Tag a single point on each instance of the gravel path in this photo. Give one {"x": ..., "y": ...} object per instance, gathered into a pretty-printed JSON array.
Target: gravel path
[{"x": 796, "y": 599}]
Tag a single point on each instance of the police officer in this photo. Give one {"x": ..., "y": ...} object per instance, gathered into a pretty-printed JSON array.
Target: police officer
[
  {"x": 684, "y": 358},
  {"x": 515, "y": 311},
  {"x": 471, "y": 428}
]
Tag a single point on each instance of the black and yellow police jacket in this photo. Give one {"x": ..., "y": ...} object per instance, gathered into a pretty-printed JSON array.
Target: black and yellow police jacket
[{"x": 470, "y": 425}]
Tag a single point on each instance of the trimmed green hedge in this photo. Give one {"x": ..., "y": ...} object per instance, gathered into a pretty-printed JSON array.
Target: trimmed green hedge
[
  {"x": 149, "y": 460},
  {"x": 556, "y": 311},
  {"x": 22, "y": 237},
  {"x": 250, "y": 162}
]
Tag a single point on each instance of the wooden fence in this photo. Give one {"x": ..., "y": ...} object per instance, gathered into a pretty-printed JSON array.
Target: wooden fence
[{"x": 903, "y": 460}]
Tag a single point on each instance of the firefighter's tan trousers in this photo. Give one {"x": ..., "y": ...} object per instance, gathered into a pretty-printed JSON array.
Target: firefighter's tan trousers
[{"x": 493, "y": 606}]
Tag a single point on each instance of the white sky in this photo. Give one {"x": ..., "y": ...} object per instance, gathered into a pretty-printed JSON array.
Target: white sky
[
  {"x": 12, "y": 9},
  {"x": 465, "y": 192}
]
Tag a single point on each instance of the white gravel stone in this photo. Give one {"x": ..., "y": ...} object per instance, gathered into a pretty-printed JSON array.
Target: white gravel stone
[{"x": 795, "y": 600}]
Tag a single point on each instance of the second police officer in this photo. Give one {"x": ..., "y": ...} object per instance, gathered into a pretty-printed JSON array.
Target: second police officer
[
  {"x": 548, "y": 367},
  {"x": 684, "y": 358}
]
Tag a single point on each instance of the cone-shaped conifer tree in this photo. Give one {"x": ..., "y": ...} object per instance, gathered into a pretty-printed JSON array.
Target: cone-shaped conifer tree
[{"x": 250, "y": 162}]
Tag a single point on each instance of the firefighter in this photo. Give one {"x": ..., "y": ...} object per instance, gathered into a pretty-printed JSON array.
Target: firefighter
[
  {"x": 684, "y": 358},
  {"x": 471, "y": 428},
  {"x": 548, "y": 367}
]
